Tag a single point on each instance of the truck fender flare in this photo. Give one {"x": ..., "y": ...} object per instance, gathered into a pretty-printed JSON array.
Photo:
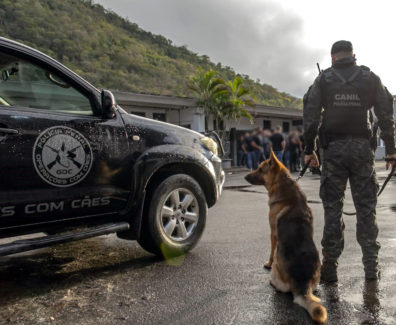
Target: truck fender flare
[{"x": 152, "y": 161}]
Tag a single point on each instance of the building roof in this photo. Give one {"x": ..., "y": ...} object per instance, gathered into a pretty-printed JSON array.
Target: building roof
[
  {"x": 274, "y": 111},
  {"x": 173, "y": 102},
  {"x": 154, "y": 101}
]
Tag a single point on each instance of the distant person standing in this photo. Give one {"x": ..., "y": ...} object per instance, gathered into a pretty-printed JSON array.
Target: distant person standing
[
  {"x": 257, "y": 146},
  {"x": 286, "y": 152},
  {"x": 294, "y": 150},
  {"x": 301, "y": 137},
  {"x": 278, "y": 143},
  {"x": 266, "y": 143},
  {"x": 249, "y": 151},
  {"x": 241, "y": 156}
]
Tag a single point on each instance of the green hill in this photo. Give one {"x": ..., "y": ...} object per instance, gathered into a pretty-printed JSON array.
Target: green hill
[{"x": 111, "y": 52}]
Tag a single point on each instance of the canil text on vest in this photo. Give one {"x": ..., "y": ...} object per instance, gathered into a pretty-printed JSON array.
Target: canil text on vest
[{"x": 347, "y": 97}]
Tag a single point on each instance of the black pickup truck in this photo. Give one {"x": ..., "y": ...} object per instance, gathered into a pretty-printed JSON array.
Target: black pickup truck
[{"x": 74, "y": 165}]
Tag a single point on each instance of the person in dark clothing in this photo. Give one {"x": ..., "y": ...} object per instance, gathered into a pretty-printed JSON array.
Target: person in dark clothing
[
  {"x": 302, "y": 148},
  {"x": 249, "y": 151},
  {"x": 286, "y": 152},
  {"x": 278, "y": 143},
  {"x": 266, "y": 143},
  {"x": 257, "y": 146},
  {"x": 294, "y": 150},
  {"x": 241, "y": 156},
  {"x": 346, "y": 92}
]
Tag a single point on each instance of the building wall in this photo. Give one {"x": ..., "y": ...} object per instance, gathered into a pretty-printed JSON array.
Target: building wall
[
  {"x": 258, "y": 122},
  {"x": 244, "y": 124},
  {"x": 148, "y": 111},
  {"x": 191, "y": 118}
]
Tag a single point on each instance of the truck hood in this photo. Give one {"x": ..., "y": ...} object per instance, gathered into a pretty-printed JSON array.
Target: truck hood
[{"x": 156, "y": 133}]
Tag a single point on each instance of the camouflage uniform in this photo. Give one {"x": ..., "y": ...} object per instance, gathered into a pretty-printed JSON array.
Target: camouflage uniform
[
  {"x": 351, "y": 159},
  {"x": 348, "y": 156}
]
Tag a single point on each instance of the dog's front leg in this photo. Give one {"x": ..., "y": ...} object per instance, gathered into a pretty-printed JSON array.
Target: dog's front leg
[{"x": 268, "y": 264}]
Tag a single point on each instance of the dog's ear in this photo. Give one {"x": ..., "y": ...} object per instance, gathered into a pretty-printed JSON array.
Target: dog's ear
[{"x": 273, "y": 160}]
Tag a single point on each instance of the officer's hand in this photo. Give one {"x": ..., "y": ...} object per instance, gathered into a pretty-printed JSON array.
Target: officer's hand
[
  {"x": 313, "y": 158},
  {"x": 390, "y": 163}
]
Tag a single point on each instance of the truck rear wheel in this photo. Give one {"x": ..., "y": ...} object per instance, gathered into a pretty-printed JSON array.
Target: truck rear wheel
[{"x": 176, "y": 217}]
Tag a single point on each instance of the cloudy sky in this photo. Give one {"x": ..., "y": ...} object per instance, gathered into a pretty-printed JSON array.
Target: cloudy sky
[{"x": 276, "y": 41}]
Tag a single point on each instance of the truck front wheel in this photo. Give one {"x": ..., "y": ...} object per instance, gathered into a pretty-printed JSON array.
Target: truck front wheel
[{"x": 176, "y": 217}]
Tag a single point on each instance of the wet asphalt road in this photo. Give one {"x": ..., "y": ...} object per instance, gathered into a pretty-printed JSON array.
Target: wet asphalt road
[{"x": 106, "y": 280}]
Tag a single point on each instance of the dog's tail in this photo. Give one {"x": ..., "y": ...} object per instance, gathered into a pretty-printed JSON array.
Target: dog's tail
[{"x": 313, "y": 306}]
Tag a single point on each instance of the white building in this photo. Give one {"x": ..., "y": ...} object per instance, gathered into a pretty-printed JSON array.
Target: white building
[{"x": 185, "y": 112}]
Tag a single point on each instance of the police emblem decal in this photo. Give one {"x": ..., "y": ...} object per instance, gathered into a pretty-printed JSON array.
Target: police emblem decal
[{"x": 62, "y": 156}]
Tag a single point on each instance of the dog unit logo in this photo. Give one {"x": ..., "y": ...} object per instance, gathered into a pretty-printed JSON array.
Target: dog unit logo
[
  {"x": 62, "y": 156},
  {"x": 349, "y": 100}
]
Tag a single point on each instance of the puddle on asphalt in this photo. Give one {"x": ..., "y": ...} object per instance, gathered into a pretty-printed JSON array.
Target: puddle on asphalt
[{"x": 370, "y": 303}]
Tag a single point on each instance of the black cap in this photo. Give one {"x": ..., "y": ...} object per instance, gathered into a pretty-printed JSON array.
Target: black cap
[{"x": 341, "y": 46}]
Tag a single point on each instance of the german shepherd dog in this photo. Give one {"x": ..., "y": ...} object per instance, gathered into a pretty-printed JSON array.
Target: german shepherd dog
[{"x": 294, "y": 259}]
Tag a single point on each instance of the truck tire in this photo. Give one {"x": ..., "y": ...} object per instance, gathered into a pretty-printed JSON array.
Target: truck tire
[{"x": 176, "y": 217}]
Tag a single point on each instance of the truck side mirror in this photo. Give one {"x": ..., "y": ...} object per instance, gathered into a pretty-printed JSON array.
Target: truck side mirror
[{"x": 108, "y": 104}]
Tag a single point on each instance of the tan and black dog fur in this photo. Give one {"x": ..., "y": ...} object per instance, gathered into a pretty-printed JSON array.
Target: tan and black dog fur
[{"x": 294, "y": 259}]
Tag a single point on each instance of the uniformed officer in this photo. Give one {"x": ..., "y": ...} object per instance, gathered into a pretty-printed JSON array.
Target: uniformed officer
[{"x": 340, "y": 100}]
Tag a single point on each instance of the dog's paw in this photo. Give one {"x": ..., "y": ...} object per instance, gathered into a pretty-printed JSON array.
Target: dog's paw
[{"x": 268, "y": 265}]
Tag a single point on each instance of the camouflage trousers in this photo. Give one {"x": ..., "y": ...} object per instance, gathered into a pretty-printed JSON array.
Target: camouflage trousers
[{"x": 349, "y": 159}]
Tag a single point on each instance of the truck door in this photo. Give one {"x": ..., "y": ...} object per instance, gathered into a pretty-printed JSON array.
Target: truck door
[{"x": 57, "y": 159}]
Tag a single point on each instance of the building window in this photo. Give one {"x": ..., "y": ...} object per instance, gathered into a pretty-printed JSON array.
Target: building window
[
  {"x": 143, "y": 114},
  {"x": 267, "y": 124},
  {"x": 159, "y": 117},
  {"x": 297, "y": 122},
  {"x": 286, "y": 127}
]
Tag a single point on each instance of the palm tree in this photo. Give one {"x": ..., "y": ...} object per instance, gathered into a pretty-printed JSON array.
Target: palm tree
[
  {"x": 211, "y": 90},
  {"x": 239, "y": 97},
  {"x": 220, "y": 99}
]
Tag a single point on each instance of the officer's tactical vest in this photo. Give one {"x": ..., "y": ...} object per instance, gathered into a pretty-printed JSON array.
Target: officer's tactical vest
[{"x": 347, "y": 102}]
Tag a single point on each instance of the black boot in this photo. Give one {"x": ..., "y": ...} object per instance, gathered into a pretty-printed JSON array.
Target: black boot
[
  {"x": 328, "y": 272},
  {"x": 372, "y": 272}
]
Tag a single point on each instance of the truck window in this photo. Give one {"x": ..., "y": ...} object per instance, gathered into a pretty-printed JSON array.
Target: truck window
[{"x": 23, "y": 84}]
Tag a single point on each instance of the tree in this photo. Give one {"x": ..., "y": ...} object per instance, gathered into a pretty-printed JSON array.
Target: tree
[
  {"x": 224, "y": 100},
  {"x": 238, "y": 98},
  {"x": 212, "y": 92}
]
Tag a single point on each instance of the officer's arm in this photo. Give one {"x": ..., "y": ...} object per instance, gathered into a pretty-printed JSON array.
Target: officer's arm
[
  {"x": 383, "y": 109},
  {"x": 311, "y": 114}
]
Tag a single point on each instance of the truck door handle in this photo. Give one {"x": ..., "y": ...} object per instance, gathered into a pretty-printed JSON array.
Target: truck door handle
[{"x": 9, "y": 131}]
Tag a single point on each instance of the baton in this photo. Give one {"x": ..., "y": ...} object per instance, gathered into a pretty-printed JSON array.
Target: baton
[
  {"x": 302, "y": 172},
  {"x": 390, "y": 174}
]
